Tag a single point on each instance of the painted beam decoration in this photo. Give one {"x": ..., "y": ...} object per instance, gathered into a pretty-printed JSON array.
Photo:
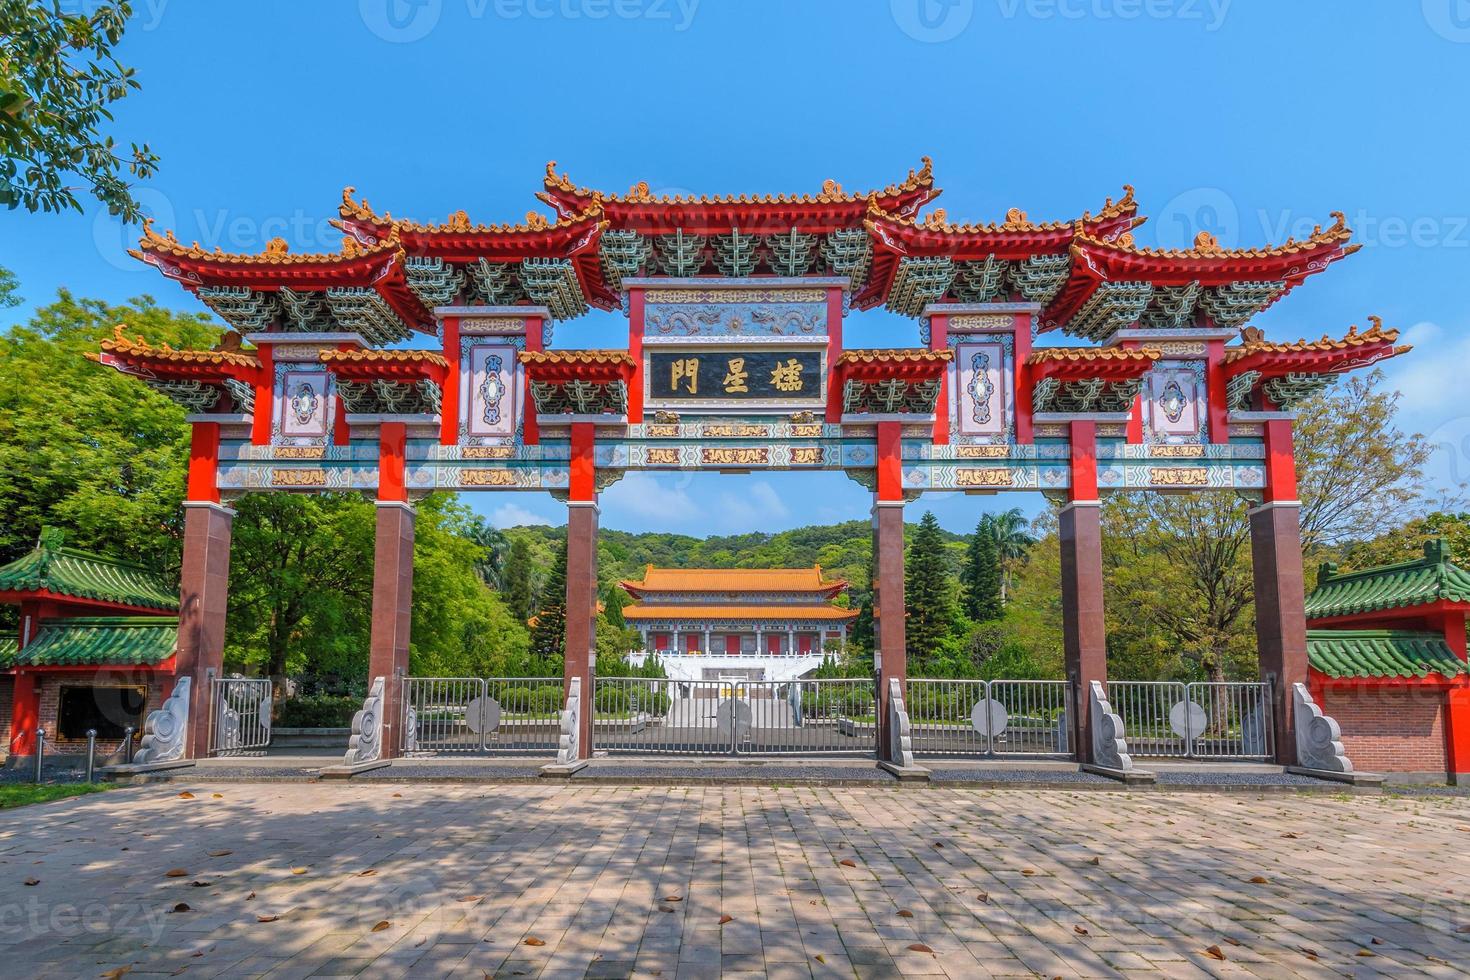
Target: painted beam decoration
[{"x": 734, "y": 356}]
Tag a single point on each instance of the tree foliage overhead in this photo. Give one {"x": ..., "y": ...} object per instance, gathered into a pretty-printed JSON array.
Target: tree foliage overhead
[
  {"x": 59, "y": 79},
  {"x": 981, "y": 580}
]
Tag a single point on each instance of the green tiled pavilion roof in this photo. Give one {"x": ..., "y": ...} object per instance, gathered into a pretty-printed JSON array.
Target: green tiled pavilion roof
[
  {"x": 98, "y": 641},
  {"x": 1381, "y": 653},
  {"x": 1411, "y": 583},
  {"x": 83, "y": 575}
]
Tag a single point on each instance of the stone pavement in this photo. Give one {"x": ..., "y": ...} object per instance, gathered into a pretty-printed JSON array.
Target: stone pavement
[{"x": 568, "y": 880}]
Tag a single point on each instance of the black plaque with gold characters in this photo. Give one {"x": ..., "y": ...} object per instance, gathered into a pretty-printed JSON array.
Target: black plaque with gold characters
[{"x": 707, "y": 375}]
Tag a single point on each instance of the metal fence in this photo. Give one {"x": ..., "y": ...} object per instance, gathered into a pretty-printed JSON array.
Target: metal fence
[
  {"x": 242, "y": 715},
  {"x": 1002, "y": 717},
  {"x": 479, "y": 715},
  {"x": 634, "y": 715},
  {"x": 1205, "y": 720}
]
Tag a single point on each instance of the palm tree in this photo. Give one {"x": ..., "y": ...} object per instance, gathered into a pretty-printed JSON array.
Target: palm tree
[
  {"x": 1009, "y": 530},
  {"x": 496, "y": 547}
]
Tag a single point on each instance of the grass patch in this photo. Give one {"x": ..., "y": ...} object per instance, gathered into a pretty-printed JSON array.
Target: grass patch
[{"x": 25, "y": 794}]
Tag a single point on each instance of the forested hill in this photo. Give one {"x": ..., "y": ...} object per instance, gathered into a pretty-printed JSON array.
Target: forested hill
[{"x": 841, "y": 549}]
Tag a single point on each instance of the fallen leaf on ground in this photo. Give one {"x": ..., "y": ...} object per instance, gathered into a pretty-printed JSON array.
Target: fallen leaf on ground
[
  {"x": 33, "y": 881},
  {"x": 384, "y": 924},
  {"x": 186, "y": 795},
  {"x": 726, "y": 918},
  {"x": 848, "y": 863},
  {"x": 1291, "y": 835},
  {"x": 398, "y": 796},
  {"x": 1464, "y": 929},
  {"x": 469, "y": 898},
  {"x": 1214, "y": 952},
  {"x": 983, "y": 896},
  {"x": 1081, "y": 930},
  {"x": 673, "y": 898},
  {"x": 1028, "y": 872},
  {"x": 368, "y": 873},
  {"x": 266, "y": 918},
  {"x": 1233, "y": 942},
  {"x": 182, "y": 907},
  {"x": 820, "y": 958},
  {"x": 906, "y": 913},
  {"x": 1095, "y": 861},
  {"x": 217, "y": 796},
  {"x": 220, "y": 854},
  {"x": 119, "y": 972},
  {"x": 176, "y": 873},
  {"x": 1310, "y": 954},
  {"x": 200, "y": 884},
  {"x": 920, "y": 948},
  {"x": 533, "y": 941},
  {"x": 1258, "y": 880},
  {"x": 939, "y": 843},
  {"x": 1365, "y": 952},
  {"x": 1379, "y": 942},
  {"x": 250, "y": 897},
  {"x": 298, "y": 871}
]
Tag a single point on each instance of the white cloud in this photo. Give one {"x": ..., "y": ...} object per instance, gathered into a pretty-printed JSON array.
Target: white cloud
[
  {"x": 645, "y": 496},
  {"x": 514, "y": 515},
  {"x": 755, "y": 510}
]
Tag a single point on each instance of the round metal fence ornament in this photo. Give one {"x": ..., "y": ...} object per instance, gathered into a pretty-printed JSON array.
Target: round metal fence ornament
[
  {"x": 989, "y": 723},
  {"x": 1188, "y": 720},
  {"x": 263, "y": 713},
  {"x": 741, "y": 713},
  {"x": 482, "y": 715}
]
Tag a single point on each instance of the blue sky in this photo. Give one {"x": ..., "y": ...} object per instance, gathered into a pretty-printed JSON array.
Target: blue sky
[{"x": 1253, "y": 119}]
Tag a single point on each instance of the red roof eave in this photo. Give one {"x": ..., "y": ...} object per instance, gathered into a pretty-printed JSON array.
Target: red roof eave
[{"x": 1277, "y": 363}]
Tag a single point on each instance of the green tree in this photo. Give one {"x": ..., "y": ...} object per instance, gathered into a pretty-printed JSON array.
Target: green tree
[
  {"x": 9, "y": 288},
  {"x": 1013, "y": 542},
  {"x": 516, "y": 579},
  {"x": 981, "y": 579},
  {"x": 549, "y": 635},
  {"x": 84, "y": 447},
  {"x": 928, "y": 594},
  {"x": 59, "y": 79}
]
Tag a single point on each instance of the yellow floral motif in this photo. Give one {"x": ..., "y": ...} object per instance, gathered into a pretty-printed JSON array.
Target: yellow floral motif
[
  {"x": 487, "y": 478},
  {"x": 983, "y": 478},
  {"x": 1178, "y": 476},
  {"x": 735, "y": 457}
]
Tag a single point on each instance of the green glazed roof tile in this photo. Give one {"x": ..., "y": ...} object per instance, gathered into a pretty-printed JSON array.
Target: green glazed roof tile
[
  {"x": 83, "y": 575},
  {"x": 1414, "y": 583},
  {"x": 1381, "y": 653},
  {"x": 100, "y": 641}
]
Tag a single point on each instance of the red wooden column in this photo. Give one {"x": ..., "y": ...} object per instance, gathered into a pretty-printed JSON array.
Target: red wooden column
[
  {"x": 204, "y": 582},
  {"x": 582, "y": 576},
  {"x": 1276, "y": 560},
  {"x": 1084, "y": 631},
  {"x": 890, "y": 642},
  {"x": 25, "y": 714},
  {"x": 392, "y": 583}
]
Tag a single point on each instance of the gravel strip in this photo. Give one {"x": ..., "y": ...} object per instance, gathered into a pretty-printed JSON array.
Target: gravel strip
[
  {"x": 1031, "y": 777},
  {"x": 806, "y": 773}
]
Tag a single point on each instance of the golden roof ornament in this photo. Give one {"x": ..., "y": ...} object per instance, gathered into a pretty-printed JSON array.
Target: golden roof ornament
[
  {"x": 1016, "y": 218},
  {"x": 1207, "y": 244},
  {"x": 350, "y": 246},
  {"x": 536, "y": 221},
  {"x": 458, "y": 221},
  {"x": 1252, "y": 335},
  {"x": 276, "y": 246},
  {"x": 229, "y": 342}
]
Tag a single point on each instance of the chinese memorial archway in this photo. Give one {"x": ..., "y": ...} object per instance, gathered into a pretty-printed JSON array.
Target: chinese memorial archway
[{"x": 734, "y": 361}]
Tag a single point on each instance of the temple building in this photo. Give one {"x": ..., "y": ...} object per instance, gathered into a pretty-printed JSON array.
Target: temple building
[
  {"x": 94, "y": 651},
  {"x": 1388, "y": 662},
  {"x": 770, "y": 624}
]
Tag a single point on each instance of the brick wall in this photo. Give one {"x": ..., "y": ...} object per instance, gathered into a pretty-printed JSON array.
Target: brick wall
[
  {"x": 1391, "y": 730},
  {"x": 7, "y": 700}
]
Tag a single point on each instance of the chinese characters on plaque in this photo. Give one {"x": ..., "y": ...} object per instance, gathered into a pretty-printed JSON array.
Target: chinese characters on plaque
[{"x": 714, "y": 375}]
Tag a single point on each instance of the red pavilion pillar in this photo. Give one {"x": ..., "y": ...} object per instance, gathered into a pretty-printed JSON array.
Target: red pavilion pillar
[
  {"x": 580, "y": 655},
  {"x": 1084, "y": 631},
  {"x": 1276, "y": 560},
  {"x": 890, "y": 645},
  {"x": 392, "y": 583},
  {"x": 204, "y": 584}
]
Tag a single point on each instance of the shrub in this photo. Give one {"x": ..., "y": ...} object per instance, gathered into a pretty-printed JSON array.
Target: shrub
[
  {"x": 318, "y": 711},
  {"x": 611, "y": 700}
]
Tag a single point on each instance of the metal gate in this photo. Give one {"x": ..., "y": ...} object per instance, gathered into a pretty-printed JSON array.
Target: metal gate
[
  {"x": 241, "y": 709},
  {"x": 733, "y": 716},
  {"x": 995, "y": 718},
  {"x": 1169, "y": 719},
  {"x": 482, "y": 715}
]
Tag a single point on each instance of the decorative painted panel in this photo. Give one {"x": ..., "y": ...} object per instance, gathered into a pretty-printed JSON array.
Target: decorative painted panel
[
  {"x": 726, "y": 313},
  {"x": 1174, "y": 404},
  {"x": 490, "y": 392},
  {"x": 980, "y": 384},
  {"x": 304, "y": 407}
]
